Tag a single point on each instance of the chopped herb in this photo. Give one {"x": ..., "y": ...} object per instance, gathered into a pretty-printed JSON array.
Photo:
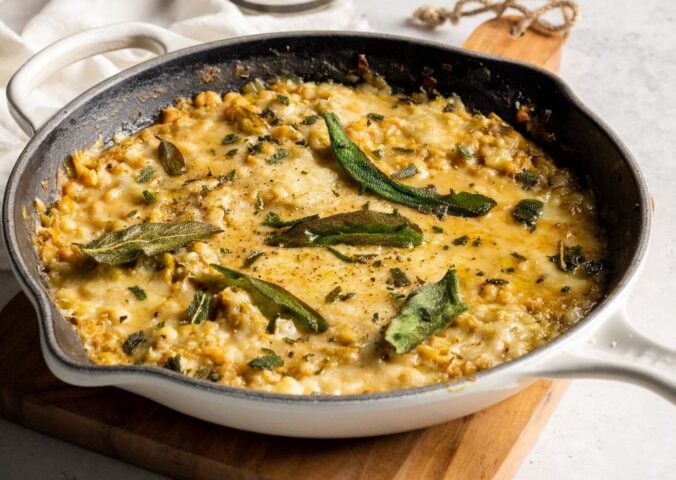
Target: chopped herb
[
  {"x": 461, "y": 240},
  {"x": 427, "y": 310},
  {"x": 527, "y": 212},
  {"x": 283, "y": 99},
  {"x": 310, "y": 119},
  {"x": 570, "y": 258},
  {"x": 518, "y": 256},
  {"x": 347, "y": 296},
  {"x": 366, "y": 205},
  {"x": 149, "y": 197},
  {"x": 231, "y": 153},
  {"x": 198, "y": 310},
  {"x": 592, "y": 267},
  {"x": 171, "y": 158},
  {"x": 173, "y": 363},
  {"x": 378, "y": 264},
  {"x": 361, "y": 227},
  {"x": 409, "y": 171},
  {"x": 403, "y": 150},
  {"x": 277, "y": 157},
  {"x": 476, "y": 242},
  {"x": 204, "y": 373},
  {"x": 123, "y": 246},
  {"x": 527, "y": 179},
  {"x": 378, "y": 153},
  {"x": 274, "y": 220},
  {"x": 269, "y": 361},
  {"x": 138, "y": 292},
  {"x": 228, "y": 177},
  {"x": 496, "y": 281},
  {"x": 565, "y": 289},
  {"x": 230, "y": 138},
  {"x": 255, "y": 85},
  {"x": 145, "y": 175},
  {"x": 225, "y": 251},
  {"x": 270, "y": 116},
  {"x": 205, "y": 188},
  {"x": 333, "y": 295},
  {"x": 133, "y": 341},
  {"x": 252, "y": 257},
  {"x": 359, "y": 258},
  {"x": 398, "y": 278},
  {"x": 132, "y": 213},
  {"x": 540, "y": 279},
  {"x": 273, "y": 300},
  {"x": 465, "y": 151},
  {"x": 341, "y": 256},
  {"x": 376, "y": 117},
  {"x": 450, "y": 107},
  {"x": 255, "y": 148},
  {"x": 358, "y": 166},
  {"x": 437, "y": 229}
]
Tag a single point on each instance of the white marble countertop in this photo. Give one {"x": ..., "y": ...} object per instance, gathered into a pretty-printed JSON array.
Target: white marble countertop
[{"x": 621, "y": 61}]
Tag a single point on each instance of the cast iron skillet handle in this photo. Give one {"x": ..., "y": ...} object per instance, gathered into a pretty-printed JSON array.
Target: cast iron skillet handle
[
  {"x": 617, "y": 352},
  {"x": 79, "y": 46}
]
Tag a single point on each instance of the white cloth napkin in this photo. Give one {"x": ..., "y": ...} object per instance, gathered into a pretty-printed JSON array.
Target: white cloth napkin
[{"x": 27, "y": 26}]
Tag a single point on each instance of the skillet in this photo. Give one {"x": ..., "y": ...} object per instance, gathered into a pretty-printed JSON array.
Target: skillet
[{"x": 603, "y": 345}]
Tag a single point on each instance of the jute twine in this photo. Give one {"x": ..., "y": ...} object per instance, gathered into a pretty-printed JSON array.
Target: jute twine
[{"x": 435, "y": 16}]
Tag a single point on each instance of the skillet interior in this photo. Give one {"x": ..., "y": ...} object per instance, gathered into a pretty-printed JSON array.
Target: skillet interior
[{"x": 133, "y": 98}]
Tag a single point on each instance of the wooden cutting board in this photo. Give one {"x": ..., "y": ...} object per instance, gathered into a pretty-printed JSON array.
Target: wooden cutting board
[{"x": 487, "y": 445}]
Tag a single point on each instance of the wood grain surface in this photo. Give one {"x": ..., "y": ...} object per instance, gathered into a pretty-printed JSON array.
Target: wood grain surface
[{"x": 487, "y": 445}]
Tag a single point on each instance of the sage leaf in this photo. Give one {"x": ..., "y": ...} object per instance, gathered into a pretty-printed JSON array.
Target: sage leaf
[
  {"x": 275, "y": 221},
  {"x": 198, "y": 310},
  {"x": 273, "y": 300},
  {"x": 171, "y": 158},
  {"x": 270, "y": 361},
  {"x": 362, "y": 227},
  {"x": 123, "y": 246},
  {"x": 360, "y": 168},
  {"x": 427, "y": 310},
  {"x": 527, "y": 212}
]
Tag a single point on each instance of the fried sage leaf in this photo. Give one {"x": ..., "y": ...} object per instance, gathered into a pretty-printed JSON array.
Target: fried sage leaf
[
  {"x": 361, "y": 169},
  {"x": 362, "y": 227},
  {"x": 428, "y": 309},
  {"x": 273, "y": 300},
  {"x": 171, "y": 158},
  {"x": 123, "y": 246},
  {"x": 527, "y": 212},
  {"x": 198, "y": 310}
]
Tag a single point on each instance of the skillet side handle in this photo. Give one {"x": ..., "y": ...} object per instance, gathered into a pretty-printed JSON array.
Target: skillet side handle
[
  {"x": 79, "y": 46},
  {"x": 617, "y": 352}
]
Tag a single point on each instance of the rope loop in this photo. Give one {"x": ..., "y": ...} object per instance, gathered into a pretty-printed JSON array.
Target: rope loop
[{"x": 434, "y": 16}]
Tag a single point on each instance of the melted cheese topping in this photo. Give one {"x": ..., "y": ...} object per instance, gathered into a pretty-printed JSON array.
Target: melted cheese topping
[{"x": 451, "y": 149}]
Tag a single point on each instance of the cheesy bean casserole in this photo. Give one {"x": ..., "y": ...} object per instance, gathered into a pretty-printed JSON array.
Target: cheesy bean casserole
[{"x": 308, "y": 238}]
